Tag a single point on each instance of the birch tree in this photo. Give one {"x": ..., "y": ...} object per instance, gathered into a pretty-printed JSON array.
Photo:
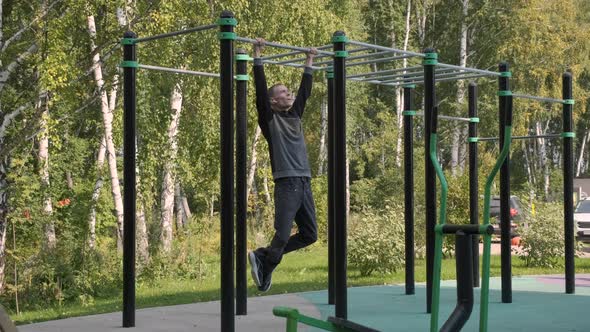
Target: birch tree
[{"x": 107, "y": 118}]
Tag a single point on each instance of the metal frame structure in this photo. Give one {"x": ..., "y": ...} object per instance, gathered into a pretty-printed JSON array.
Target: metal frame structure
[{"x": 429, "y": 73}]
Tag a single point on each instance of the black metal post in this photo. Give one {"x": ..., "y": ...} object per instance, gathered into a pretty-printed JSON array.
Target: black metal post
[
  {"x": 464, "y": 260},
  {"x": 129, "y": 193},
  {"x": 473, "y": 178},
  {"x": 340, "y": 217},
  {"x": 506, "y": 258},
  {"x": 568, "y": 183},
  {"x": 241, "y": 187},
  {"x": 227, "y": 173},
  {"x": 430, "y": 62},
  {"x": 331, "y": 271},
  {"x": 409, "y": 188}
]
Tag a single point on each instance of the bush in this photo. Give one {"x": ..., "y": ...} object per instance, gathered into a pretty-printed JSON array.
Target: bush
[
  {"x": 542, "y": 242},
  {"x": 376, "y": 241}
]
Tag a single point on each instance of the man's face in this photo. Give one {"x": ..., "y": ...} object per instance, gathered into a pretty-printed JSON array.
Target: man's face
[{"x": 282, "y": 98}]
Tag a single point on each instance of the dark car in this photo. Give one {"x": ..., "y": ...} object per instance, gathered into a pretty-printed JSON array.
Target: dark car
[{"x": 516, "y": 216}]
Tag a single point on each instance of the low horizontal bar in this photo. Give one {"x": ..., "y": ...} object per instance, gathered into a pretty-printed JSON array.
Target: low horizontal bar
[
  {"x": 441, "y": 75},
  {"x": 177, "y": 33},
  {"x": 446, "y": 117},
  {"x": 382, "y": 48},
  {"x": 277, "y": 45},
  {"x": 414, "y": 75},
  {"x": 473, "y": 70},
  {"x": 549, "y": 100},
  {"x": 177, "y": 71},
  {"x": 521, "y": 137}
]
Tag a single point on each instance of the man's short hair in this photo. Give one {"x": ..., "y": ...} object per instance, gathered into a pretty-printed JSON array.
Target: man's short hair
[{"x": 271, "y": 90}]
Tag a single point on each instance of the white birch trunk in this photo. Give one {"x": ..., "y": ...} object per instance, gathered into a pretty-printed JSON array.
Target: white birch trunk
[
  {"x": 457, "y": 130},
  {"x": 48, "y": 224},
  {"x": 96, "y": 194},
  {"x": 265, "y": 187},
  {"x": 167, "y": 198},
  {"x": 3, "y": 219},
  {"x": 107, "y": 118},
  {"x": 323, "y": 133},
  {"x": 399, "y": 91},
  {"x": 180, "y": 217},
  {"x": 253, "y": 162},
  {"x": 142, "y": 247},
  {"x": 581, "y": 157},
  {"x": 543, "y": 158}
]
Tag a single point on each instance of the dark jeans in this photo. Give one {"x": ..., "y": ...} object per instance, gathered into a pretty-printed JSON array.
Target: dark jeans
[{"x": 293, "y": 201}]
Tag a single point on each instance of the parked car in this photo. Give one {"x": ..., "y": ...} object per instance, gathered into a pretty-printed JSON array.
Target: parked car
[
  {"x": 582, "y": 220},
  {"x": 516, "y": 215}
]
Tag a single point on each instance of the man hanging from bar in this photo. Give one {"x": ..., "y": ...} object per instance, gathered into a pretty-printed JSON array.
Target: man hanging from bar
[{"x": 279, "y": 117}]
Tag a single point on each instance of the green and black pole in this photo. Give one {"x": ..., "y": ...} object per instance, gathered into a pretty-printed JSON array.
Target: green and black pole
[
  {"x": 241, "y": 187},
  {"x": 339, "y": 39},
  {"x": 409, "y": 113},
  {"x": 331, "y": 206},
  {"x": 429, "y": 62},
  {"x": 226, "y": 119},
  {"x": 506, "y": 259},
  {"x": 473, "y": 177},
  {"x": 568, "y": 182},
  {"x": 129, "y": 194}
]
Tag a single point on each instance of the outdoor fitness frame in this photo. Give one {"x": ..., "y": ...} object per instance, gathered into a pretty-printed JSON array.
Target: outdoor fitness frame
[{"x": 337, "y": 217}]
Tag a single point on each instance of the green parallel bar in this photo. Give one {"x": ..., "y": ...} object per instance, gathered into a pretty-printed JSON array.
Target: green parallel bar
[
  {"x": 293, "y": 317},
  {"x": 438, "y": 234},
  {"x": 485, "y": 282}
]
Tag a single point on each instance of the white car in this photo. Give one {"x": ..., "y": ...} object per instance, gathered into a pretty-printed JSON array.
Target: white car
[{"x": 582, "y": 220}]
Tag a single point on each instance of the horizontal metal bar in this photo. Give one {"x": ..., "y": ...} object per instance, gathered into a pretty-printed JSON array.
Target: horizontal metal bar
[
  {"x": 389, "y": 71},
  {"x": 447, "y": 117},
  {"x": 282, "y": 55},
  {"x": 521, "y": 137},
  {"x": 177, "y": 71},
  {"x": 441, "y": 75},
  {"x": 350, "y": 64},
  {"x": 414, "y": 75},
  {"x": 474, "y": 70},
  {"x": 403, "y": 82},
  {"x": 296, "y": 65},
  {"x": 277, "y": 45},
  {"x": 317, "y": 57},
  {"x": 382, "y": 48},
  {"x": 549, "y": 100},
  {"x": 176, "y": 33}
]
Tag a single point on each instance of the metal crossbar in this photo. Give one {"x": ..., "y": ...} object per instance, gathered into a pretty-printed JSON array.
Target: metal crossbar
[
  {"x": 383, "y": 48},
  {"x": 360, "y": 49},
  {"x": 474, "y": 70},
  {"x": 447, "y": 117},
  {"x": 177, "y": 71},
  {"x": 176, "y": 33},
  {"x": 403, "y": 82},
  {"x": 296, "y": 65},
  {"x": 277, "y": 45},
  {"x": 521, "y": 137},
  {"x": 549, "y": 100}
]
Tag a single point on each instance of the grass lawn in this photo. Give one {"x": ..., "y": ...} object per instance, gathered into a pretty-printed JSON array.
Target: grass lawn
[{"x": 300, "y": 271}]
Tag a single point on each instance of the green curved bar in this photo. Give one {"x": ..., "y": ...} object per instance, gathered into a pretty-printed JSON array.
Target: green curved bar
[
  {"x": 485, "y": 280},
  {"x": 437, "y": 234}
]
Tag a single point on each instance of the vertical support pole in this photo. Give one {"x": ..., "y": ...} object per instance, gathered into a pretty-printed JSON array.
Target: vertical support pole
[
  {"x": 241, "y": 187},
  {"x": 505, "y": 228},
  {"x": 227, "y": 169},
  {"x": 409, "y": 186},
  {"x": 129, "y": 193},
  {"x": 340, "y": 218},
  {"x": 331, "y": 206},
  {"x": 568, "y": 183},
  {"x": 473, "y": 177},
  {"x": 429, "y": 62}
]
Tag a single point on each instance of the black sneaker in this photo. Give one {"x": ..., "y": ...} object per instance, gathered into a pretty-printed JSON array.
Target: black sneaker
[
  {"x": 255, "y": 269},
  {"x": 266, "y": 282}
]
